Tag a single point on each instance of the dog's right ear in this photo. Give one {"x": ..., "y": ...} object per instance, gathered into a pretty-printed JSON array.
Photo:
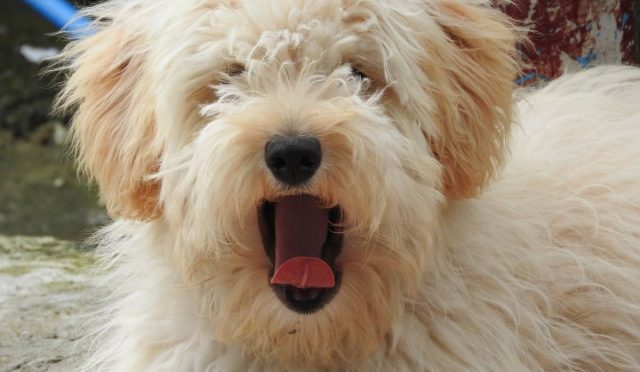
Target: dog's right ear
[{"x": 114, "y": 134}]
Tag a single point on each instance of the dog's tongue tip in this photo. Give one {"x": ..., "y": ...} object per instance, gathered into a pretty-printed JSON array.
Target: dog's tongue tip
[{"x": 304, "y": 272}]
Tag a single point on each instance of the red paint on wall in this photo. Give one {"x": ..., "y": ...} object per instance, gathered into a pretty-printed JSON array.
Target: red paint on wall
[
  {"x": 574, "y": 33},
  {"x": 627, "y": 23}
]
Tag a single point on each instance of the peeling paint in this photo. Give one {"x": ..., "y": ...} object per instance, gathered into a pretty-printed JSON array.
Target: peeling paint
[{"x": 574, "y": 34}]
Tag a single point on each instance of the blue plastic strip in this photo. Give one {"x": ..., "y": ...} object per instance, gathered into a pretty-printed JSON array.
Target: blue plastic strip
[{"x": 63, "y": 15}]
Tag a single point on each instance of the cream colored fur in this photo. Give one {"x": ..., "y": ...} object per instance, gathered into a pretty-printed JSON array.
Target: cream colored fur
[{"x": 474, "y": 239}]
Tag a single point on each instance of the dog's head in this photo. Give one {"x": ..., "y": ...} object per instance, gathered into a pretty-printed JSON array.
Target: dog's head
[{"x": 298, "y": 153}]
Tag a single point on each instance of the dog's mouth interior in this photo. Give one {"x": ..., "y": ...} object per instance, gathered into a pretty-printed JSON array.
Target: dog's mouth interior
[{"x": 302, "y": 239}]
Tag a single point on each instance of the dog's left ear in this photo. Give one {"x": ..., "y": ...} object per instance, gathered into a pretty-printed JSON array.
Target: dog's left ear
[{"x": 471, "y": 67}]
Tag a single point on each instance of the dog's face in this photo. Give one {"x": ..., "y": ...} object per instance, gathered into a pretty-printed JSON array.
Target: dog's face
[{"x": 297, "y": 153}]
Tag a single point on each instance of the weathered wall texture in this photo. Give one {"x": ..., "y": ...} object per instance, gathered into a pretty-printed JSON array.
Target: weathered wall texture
[{"x": 571, "y": 34}]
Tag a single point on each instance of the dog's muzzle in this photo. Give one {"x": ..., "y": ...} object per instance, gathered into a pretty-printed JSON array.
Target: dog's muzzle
[{"x": 302, "y": 239}]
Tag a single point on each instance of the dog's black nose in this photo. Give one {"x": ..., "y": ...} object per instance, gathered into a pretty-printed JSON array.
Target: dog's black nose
[{"x": 293, "y": 159}]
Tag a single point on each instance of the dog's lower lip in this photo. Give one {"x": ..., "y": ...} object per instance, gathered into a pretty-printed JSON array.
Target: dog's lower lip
[
  {"x": 303, "y": 300},
  {"x": 308, "y": 294}
]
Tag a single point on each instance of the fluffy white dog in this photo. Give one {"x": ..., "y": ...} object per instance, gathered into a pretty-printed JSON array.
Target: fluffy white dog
[{"x": 341, "y": 185}]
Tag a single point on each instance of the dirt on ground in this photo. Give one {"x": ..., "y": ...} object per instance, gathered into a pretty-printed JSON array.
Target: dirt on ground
[{"x": 42, "y": 195}]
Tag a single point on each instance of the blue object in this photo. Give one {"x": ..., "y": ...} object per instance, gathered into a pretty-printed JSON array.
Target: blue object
[
  {"x": 63, "y": 15},
  {"x": 585, "y": 61},
  {"x": 530, "y": 76}
]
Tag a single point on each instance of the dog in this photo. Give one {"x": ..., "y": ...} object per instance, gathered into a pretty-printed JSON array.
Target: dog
[{"x": 353, "y": 185}]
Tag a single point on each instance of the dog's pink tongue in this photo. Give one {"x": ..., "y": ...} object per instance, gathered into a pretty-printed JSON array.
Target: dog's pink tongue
[{"x": 301, "y": 230}]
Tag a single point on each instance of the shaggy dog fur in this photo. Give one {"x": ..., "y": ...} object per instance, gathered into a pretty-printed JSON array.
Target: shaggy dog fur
[{"x": 480, "y": 232}]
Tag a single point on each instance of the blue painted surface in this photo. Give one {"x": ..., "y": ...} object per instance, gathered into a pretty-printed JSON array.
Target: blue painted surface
[
  {"x": 530, "y": 76},
  {"x": 63, "y": 15},
  {"x": 625, "y": 20},
  {"x": 585, "y": 61}
]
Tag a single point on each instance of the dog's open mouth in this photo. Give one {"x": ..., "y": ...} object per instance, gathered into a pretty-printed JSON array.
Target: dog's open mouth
[{"x": 302, "y": 239}]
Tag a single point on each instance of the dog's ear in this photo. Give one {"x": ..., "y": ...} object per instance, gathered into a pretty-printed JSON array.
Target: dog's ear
[
  {"x": 470, "y": 68},
  {"x": 114, "y": 133}
]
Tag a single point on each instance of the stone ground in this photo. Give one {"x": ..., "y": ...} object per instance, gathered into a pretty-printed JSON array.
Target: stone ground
[{"x": 45, "y": 290}]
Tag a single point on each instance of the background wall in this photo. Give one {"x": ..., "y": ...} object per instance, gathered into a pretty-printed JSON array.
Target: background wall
[{"x": 573, "y": 34}]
